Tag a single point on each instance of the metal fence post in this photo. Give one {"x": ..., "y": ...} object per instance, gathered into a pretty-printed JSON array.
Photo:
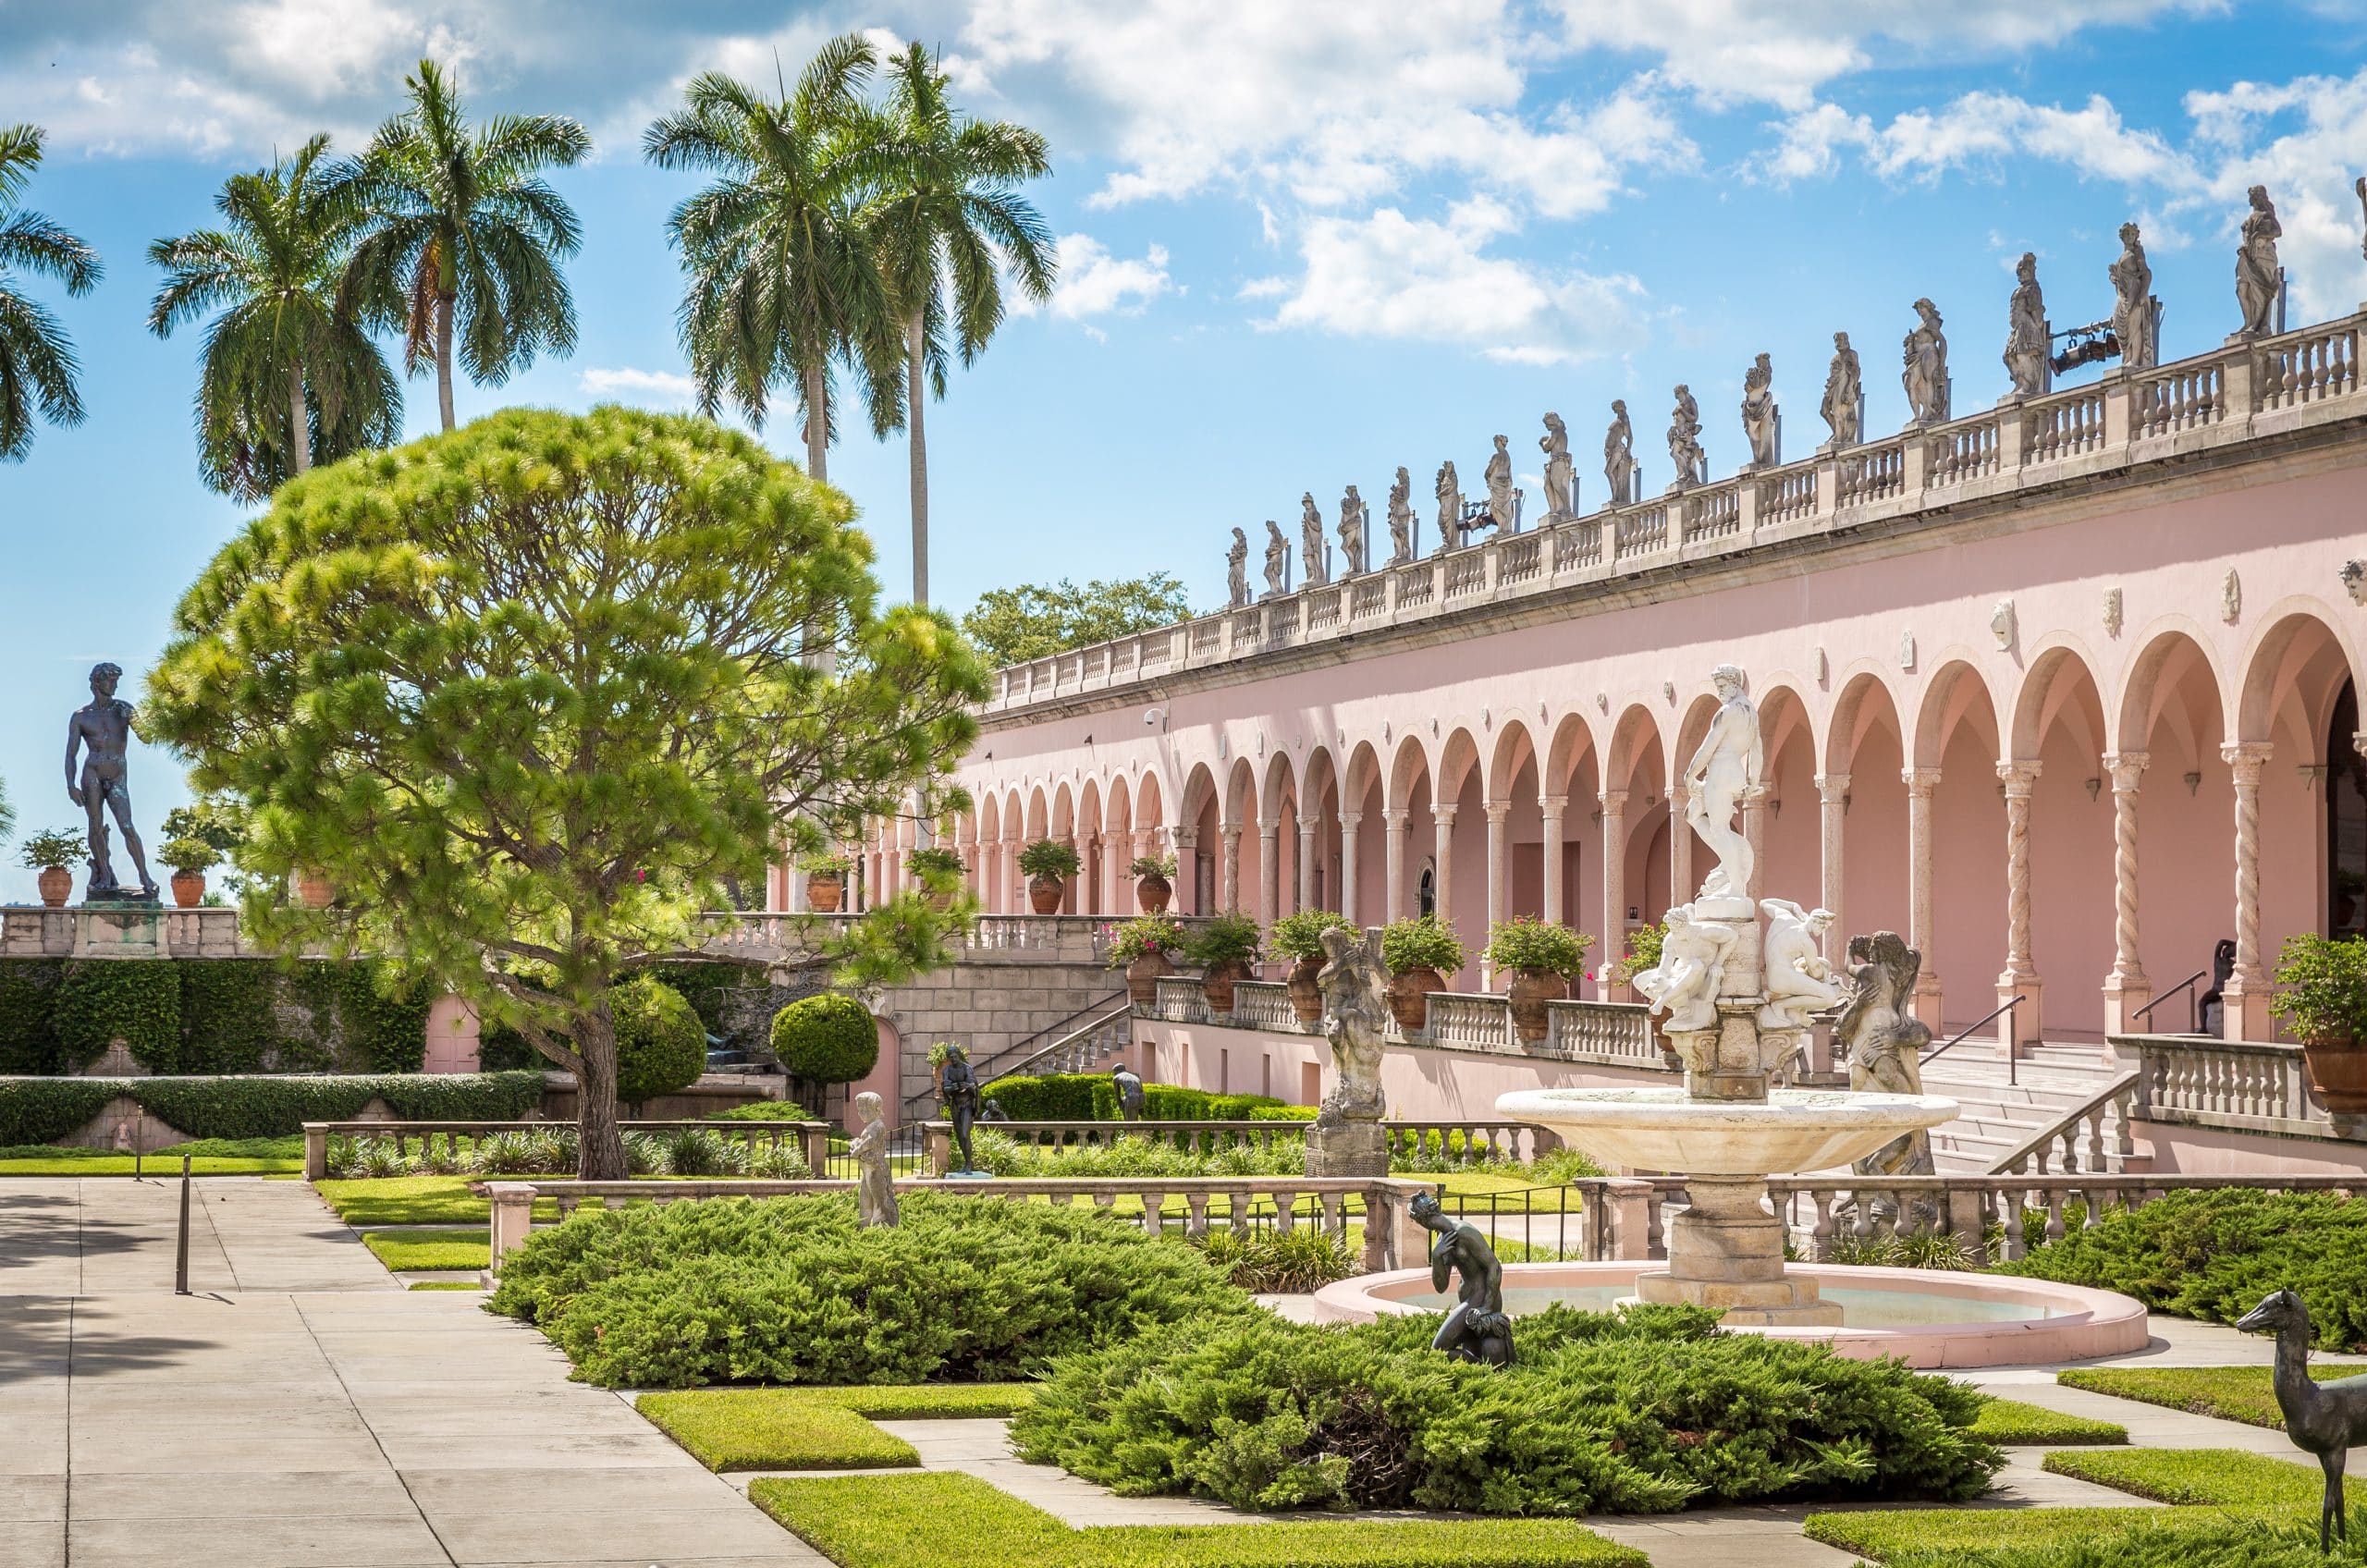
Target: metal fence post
[{"x": 180, "y": 1253}]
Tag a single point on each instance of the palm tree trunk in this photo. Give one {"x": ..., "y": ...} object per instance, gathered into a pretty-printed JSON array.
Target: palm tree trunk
[
  {"x": 300, "y": 424},
  {"x": 918, "y": 393},
  {"x": 817, "y": 422},
  {"x": 444, "y": 357}
]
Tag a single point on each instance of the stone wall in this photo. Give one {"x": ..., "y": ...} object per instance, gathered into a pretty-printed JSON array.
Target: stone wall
[{"x": 990, "y": 1001}]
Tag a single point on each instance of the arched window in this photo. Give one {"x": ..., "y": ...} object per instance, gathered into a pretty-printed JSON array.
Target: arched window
[
  {"x": 1426, "y": 890},
  {"x": 2346, "y": 821}
]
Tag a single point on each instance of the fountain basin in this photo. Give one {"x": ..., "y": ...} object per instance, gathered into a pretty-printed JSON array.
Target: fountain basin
[
  {"x": 1927, "y": 1318},
  {"x": 1659, "y": 1129}
]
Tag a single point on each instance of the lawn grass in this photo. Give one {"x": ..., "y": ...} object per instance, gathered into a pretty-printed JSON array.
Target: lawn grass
[
  {"x": 398, "y": 1250},
  {"x": 2010, "y": 1423},
  {"x": 208, "y": 1156},
  {"x": 941, "y": 1518},
  {"x": 814, "y": 1429},
  {"x": 363, "y": 1202},
  {"x": 446, "y": 1285},
  {"x": 2231, "y": 1393},
  {"x": 2198, "y": 1477}
]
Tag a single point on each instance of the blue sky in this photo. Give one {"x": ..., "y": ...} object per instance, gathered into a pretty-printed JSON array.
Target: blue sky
[{"x": 1302, "y": 243}]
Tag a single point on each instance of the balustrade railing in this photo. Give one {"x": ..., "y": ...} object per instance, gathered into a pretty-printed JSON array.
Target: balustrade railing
[
  {"x": 2094, "y": 1135},
  {"x": 813, "y": 1138},
  {"x": 1517, "y": 559},
  {"x": 1619, "y": 1034},
  {"x": 1642, "y": 533},
  {"x": 2233, "y": 1085},
  {"x": 1178, "y": 1001},
  {"x": 1436, "y": 1144},
  {"x": 1467, "y": 574},
  {"x": 2183, "y": 396},
  {"x": 1713, "y": 514},
  {"x": 1577, "y": 545},
  {"x": 1964, "y": 452},
  {"x": 1470, "y": 1021},
  {"x": 1787, "y": 496},
  {"x": 1372, "y": 597},
  {"x": 1263, "y": 1004},
  {"x": 2309, "y": 367}
]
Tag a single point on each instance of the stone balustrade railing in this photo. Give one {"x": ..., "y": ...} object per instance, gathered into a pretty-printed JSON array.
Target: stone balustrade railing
[
  {"x": 813, "y": 1137},
  {"x": 1451, "y": 1142},
  {"x": 132, "y": 930},
  {"x": 2093, "y": 1135},
  {"x": 2222, "y": 397},
  {"x": 2233, "y": 1085},
  {"x": 1191, "y": 1205},
  {"x": 759, "y": 935}
]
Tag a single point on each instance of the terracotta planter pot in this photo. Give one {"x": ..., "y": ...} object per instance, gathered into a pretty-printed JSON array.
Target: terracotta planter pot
[
  {"x": 823, "y": 893},
  {"x": 1409, "y": 1000},
  {"x": 189, "y": 889},
  {"x": 313, "y": 890},
  {"x": 1531, "y": 989},
  {"x": 2337, "y": 1074},
  {"x": 1218, "y": 980},
  {"x": 1143, "y": 974},
  {"x": 1307, "y": 997},
  {"x": 1044, "y": 894},
  {"x": 56, "y": 885},
  {"x": 1152, "y": 893}
]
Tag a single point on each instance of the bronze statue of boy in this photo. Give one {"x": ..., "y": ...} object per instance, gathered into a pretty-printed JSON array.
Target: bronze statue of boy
[{"x": 104, "y": 726}]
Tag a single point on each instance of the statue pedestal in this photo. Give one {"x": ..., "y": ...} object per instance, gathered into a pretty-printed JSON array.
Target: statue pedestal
[
  {"x": 120, "y": 928},
  {"x": 1726, "y": 1251},
  {"x": 1347, "y": 1148}
]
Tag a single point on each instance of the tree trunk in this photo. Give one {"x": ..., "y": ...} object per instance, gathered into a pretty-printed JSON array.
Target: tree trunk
[
  {"x": 818, "y": 424},
  {"x": 601, "y": 1145},
  {"x": 300, "y": 424},
  {"x": 918, "y": 392},
  {"x": 444, "y": 357}
]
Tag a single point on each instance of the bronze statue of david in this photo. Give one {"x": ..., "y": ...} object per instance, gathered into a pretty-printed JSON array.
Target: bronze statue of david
[{"x": 104, "y": 727}]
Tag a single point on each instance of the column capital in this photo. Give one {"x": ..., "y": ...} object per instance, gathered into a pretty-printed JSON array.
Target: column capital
[
  {"x": 1615, "y": 800},
  {"x": 1394, "y": 817},
  {"x": 1232, "y": 831},
  {"x": 1920, "y": 780},
  {"x": 1351, "y": 819},
  {"x": 1444, "y": 816},
  {"x": 2018, "y": 777},
  {"x": 2127, "y": 768},
  {"x": 1187, "y": 837},
  {"x": 1831, "y": 787},
  {"x": 1552, "y": 804},
  {"x": 1497, "y": 812},
  {"x": 1268, "y": 832},
  {"x": 2247, "y": 757},
  {"x": 1309, "y": 829}
]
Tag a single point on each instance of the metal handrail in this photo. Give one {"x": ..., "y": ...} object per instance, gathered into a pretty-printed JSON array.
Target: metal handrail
[
  {"x": 1000, "y": 1063},
  {"x": 2193, "y": 1024},
  {"x": 2001, "y": 1008}
]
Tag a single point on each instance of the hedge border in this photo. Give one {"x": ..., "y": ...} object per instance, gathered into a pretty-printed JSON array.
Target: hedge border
[{"x": 41, "y": 1110}]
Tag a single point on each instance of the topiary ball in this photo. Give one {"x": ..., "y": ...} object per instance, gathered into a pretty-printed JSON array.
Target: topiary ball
[
  {"x": 825, "y": 1039},
  {"x": 661, "y": 1045}
]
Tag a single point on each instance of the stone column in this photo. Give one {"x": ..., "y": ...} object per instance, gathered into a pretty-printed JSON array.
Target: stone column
[
  {"x": 1615, "y": 890},
  {"x": 1397, "y": 826},
  {"x": 1442, "y": 851},
  {"x": 2020, "y": 977},
  {"x": 1350, "y": 821},
  {"x": 1270, "y": 872},
  {"x": 1187, "y": 871},
  {"x": 1229, "y": 869},
  {"x": 1500, "y": 876},
  {"x": 2244, "y": 1001},
  {"x": 1832, "y": 788},
  {"x": 2125, "y": 988},
  {"x": 1306, "y": 862},
  {"x": 1551, "y": 806},
  {"x": 1920, "y": 784},
  {"x": 1754, "y": 833},
  {"x": 1680, "y": 844}
]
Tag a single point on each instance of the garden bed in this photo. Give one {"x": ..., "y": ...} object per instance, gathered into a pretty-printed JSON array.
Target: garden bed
[{"x": 2231, "y": 1393}]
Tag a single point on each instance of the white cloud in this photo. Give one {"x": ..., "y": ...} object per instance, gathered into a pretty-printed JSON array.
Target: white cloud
[
  {"x": 1978, "y": 129},
  {"x": 1389, "y": 275},
  {"x": 663, "y": 387},
  {"x": 1093, "y": 282}
]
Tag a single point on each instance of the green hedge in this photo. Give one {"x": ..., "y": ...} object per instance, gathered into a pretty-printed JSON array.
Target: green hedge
[
  {"x": 1049, "y": 1097},
  {"x": 825, "y": 1039},
  {"x": 41, "y": 1110},
  {"x": 661, "y": 1045},
  {"x": 28, "y": 1023},
  {"x": 100, "y": 1000},
  {"x": 1091, "y": 1097}
]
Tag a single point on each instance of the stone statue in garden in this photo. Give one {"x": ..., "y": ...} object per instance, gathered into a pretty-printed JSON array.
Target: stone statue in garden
[
  {"x": 1561, "y": 477},
  {"x": 2259, "y": 279},
  {"x": 1798, "y": 981},
  {"x": 2326, "y": 1418},
  {"x": 1885, "y": 1041},
  {"x": 1310, "y": 543},
  {"x": 875, "y": 1188},
  {"x": 1844, "y": 386},
  {"x": 1924, "y": 353},
  {"x": 1478, "y": 1329},
  {"x": 1693, "y": 965},
  {"x": 1351, "y": 533},
  {"x": 2132, "y": 303},
  {"x": 1619, "y": 454},
  {"x": 1760, "y": 424},
  {"x": 957, "y": 1086},
  {"x": 2025, "y": 335},
  {"x": 1401, "y": 519},
  {"x": 1236, "y": 570},
  {"x": 1278, "y": 557},
  {"x": 1726, "y": 765},
  {"x": 1685, "y": 452},
  {"x": 1129, "y": 1086},
  {"x": 1346, "y": 1138},
  {"x": 103, "y": 786}
]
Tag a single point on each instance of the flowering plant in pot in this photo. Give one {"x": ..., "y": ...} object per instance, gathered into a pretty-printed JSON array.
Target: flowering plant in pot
[
  {"x": 826, "y": 881},
  {"x": 1154, "y": 882},
  {"x": 1140, "y": 947},
  {"x": 1643, "y": 952},
  {"x": 1047, "y": 864},
  {"x": 50, "y": 853},
  {"x": 1542, "y": 958},
  {"x": 940, "y": 871},
  {"x": 2321, "y": 997},
  {"x": 1299, "y": 938},
  {"x": 1419, "y": 954},
  {"x": 190, "y": 858},
  {"x": 1224, "y": 946}
]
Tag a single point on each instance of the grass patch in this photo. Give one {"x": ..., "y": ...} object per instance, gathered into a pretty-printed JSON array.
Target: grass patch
[
  {"x": 922, "y": 1521},
  {"x": 815, "y": 1428},
  {"x": 1897, "y": 1535},
  {"x": 2011, "y": 1424},
  {"x": 2231, "y": 1393},
  {"x": 446, "y": 1285},
  {"x": 405, "y": 1200},
  {"x": 208, "y": 1156},
  {"x": 430, "y": 1249},
  {"x": 2198, "y": 1477}
]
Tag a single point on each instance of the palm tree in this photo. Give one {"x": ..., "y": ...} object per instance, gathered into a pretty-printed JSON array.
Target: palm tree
[
  {"x": 36, "y": 364},
  {"x": 782, "y": 277},
  {"x": 949, "y": 213},
  {"x": 459, "y": 224},
  {"x": 288, "y": 378}
]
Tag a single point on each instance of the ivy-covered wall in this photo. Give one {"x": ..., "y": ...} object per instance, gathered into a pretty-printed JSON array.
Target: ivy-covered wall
[{"x": 207, "y": 1016}]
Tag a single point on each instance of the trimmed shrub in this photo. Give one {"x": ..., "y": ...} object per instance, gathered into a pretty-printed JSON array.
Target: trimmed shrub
[
  {"x": 825, "y": 1039},
  {"x": 41, "y": 1110},
  {"x": 1052, "y": 1097},
  {"x": 101, "y": 1001},
  {"x": 791, "y": 1291},
  {"x": 1643, "y": 1412},
  {"x": 660, "y": 1044}
]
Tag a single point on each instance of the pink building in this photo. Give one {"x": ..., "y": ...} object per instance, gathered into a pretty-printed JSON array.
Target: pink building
[{"x": 2067, "y": 690}]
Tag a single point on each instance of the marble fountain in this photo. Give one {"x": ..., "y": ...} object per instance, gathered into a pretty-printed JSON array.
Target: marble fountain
[{"x": 1739, "y": 996}]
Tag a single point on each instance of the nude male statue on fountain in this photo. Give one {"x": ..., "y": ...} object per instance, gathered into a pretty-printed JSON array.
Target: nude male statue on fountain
[{"x": 104, "y": 726}]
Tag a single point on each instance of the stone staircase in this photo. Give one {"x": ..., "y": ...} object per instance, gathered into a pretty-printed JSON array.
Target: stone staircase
[{"x": 2049, "y": 1082}]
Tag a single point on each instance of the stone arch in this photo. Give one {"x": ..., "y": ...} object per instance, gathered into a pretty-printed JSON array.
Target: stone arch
[
  {"x": 1088, "y": 889},
  {"x": 1790, "y": 847},
  {"x": 2292, "y": 678},
  {"x": 2171, "y": 714},
  {"x": 2065, "y": 895},
  {"x": 1410, "y": 789},
  {"x": 1038, "y": 815},
  {"x": 1320, "y": 799},
  {"x": 2290, "y": 673}
]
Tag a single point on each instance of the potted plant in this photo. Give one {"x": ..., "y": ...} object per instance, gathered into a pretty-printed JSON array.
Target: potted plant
[
  {"x": 1643, "y": 952},
  {"x": 314, "y": 888},
  {"x": 1419, "y": 955},
  {"x": 1542, "y": 959},
  {"x": 826, "y": 881},
  {"x": 1154, "y": 882},
  {"x": 1224, "y": 946},
  {"x": 1299, "y": 938},
  {"x": 1140, "y": 947},
  {"x": 50, "y": 853},
  {"x": 940, "y": 871},
  {"x": 190, "y": 858},
  {"x": 2321, "y": 997},
  {"x": 1047, "y": 864}
]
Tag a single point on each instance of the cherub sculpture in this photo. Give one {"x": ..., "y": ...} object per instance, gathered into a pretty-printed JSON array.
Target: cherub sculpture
[
  {"x": 1798, "y": 981},
  {"x": 1693, "y": 963}
]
